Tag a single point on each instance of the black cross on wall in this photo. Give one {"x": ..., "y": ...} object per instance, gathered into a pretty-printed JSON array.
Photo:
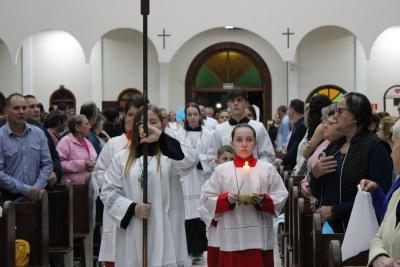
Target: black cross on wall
[
  {"x": 163, "y": 35},
  {"x": 288, "y": 33}
]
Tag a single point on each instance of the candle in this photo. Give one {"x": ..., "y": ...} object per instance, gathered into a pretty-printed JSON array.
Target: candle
[{"x": 246, "y": 168}]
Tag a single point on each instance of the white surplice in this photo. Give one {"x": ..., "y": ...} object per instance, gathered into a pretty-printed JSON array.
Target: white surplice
[
  {"x": 244, "y": 227},
  {"x": 195, "y": 178},
  {"x": 112, "y": 147},
  {"x": 264, "y": 149},
  {"x": 166, "y": 230}
]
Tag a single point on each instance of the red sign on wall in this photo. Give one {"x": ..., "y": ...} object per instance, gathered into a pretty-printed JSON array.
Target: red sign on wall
[{"x": 374, "y": 106}]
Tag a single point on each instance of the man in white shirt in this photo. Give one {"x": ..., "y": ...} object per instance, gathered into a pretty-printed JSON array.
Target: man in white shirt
[
  {"x": 209, "y": 122},
  {"x": 237, "y": 103}
]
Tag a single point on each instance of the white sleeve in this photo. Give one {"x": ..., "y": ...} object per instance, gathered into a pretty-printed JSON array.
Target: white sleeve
[
  {"x": 183, "y": 167},
  {"x": 206, "y": 158},
  {"x": 265, "y": 149},
  {"x": 102, "y": 163},
  {"x": 209, "y": 197},
  {"x": 216, "y": 143},
  {"x": 276, "y": 189},
  {"x": 112, "y": 195}
]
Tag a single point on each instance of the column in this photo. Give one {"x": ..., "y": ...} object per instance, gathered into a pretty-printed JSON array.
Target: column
[
  {"x": 360, "y": 68},
  {"x": 164, "y": 85},
  {"x": 292, "y": 83},
  {"x": 96, "y": 69},
  {"x": 27, "y": 65}
]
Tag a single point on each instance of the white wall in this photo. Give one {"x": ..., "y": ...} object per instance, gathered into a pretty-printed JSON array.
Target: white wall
[
  {"x": 179, "y": 65},
  {"x": 57, "y": 59},
  {"x": 326, "y": 56},
  {"x": 10, "y": 74},
  {"x": 122, "y": 64},
  {"x": 384, "y": 67},
  {"x": 88, "y": 20}
]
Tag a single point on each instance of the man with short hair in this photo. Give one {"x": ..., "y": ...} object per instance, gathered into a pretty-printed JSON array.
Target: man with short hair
[
  {"x": 296, "y": 115},
  {"x": 209, "y": 122},
  {"x": 34, "y": 119},
  {"x": 237, "y": 103},
  {"x": 209, "y": 112},
  {"x": 25, "y": 163},
  {"x": 90, "y": 110},
  {"x": 284, "y": 128}
]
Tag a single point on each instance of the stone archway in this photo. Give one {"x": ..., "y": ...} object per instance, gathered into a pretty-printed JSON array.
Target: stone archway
[
  {"x": 63, "y": 96},
  {"x": 260, "y": 94}
]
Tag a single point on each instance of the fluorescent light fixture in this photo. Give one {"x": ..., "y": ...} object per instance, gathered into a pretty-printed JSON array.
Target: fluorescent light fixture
[{"x": 229, "y": 27}]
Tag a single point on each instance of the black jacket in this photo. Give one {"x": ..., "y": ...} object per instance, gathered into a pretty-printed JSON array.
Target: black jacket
[{"x": 298, "y": 132}]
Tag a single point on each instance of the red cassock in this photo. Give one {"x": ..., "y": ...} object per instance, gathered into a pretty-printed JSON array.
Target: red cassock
[{"x": 249, "y": 257}]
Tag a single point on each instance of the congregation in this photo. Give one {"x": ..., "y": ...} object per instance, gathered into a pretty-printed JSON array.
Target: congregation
[{"x": 218, "y": 181}]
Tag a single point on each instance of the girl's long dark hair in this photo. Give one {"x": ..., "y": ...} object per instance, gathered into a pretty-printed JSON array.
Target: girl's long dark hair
[
  {"x": 196, "y": 106},
  {"x": 317, "y": 102}
]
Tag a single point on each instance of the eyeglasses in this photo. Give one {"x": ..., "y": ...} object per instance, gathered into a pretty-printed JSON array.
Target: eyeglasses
[{"x": 339, "y": 111}]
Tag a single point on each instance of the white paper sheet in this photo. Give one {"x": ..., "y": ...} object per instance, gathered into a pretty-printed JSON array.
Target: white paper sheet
[{"x": 362, "y": 226}]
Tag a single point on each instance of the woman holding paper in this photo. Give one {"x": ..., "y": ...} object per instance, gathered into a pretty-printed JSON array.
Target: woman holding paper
[{"x": 347, "y": 160}]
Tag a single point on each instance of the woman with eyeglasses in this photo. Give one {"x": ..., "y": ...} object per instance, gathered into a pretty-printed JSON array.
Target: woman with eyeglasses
[
  {"x": 199, "y": 138},
  {"x": 113, "y": 146},
  {"x": 359, "y": 154},
  {"x": 122, "y": 195}
]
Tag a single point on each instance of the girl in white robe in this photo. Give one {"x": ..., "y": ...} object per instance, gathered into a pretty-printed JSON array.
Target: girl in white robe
[
  {"x": 244, "y": 195},
  {"x": 199, "y": 139},
  {"x": 122, "y": 196},
  {"x": 112, "y": 147}
]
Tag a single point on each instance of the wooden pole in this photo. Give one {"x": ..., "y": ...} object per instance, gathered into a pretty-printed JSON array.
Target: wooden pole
[{"x": 145, "y": 10}]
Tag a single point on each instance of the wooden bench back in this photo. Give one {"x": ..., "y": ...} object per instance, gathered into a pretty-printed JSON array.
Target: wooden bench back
[
  {"x": 83, "y": 208},
  {"x": 335, "y": 256},
  {"x": 32, "y": 225},
  {"x": 321, "y": 243},
  {"x": 7, "y": 235},
  {"x": 61, "y": 217},
  {"x": 304, "y": 236}
]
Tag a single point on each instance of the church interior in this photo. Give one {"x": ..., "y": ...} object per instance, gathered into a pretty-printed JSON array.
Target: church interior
[{"x": 73, "y": 52}]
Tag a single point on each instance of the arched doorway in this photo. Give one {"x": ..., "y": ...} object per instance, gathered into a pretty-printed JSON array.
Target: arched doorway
[
  {"x": 121, "y": 100},
  {"x": 224, "y": 66},
  {"x": 334, "y": 92},
  {"x": 391, "y": 100},
  {"x": 63, "y": 96}
]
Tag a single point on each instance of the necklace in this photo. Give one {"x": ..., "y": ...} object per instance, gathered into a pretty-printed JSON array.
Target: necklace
[
  {"x": 193, "y": 144},
  {"x": 237, "y": 183},
  {"x": 141, "y": 177}
]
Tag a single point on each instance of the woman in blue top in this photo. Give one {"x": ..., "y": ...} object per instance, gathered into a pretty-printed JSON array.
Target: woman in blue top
[{"x": 379, "y": 199}]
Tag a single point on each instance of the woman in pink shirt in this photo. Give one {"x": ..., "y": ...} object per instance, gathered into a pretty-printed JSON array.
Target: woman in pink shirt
[{"x": 77, "y": 154}]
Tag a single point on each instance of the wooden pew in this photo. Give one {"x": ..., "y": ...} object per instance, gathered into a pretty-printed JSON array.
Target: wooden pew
[
  {"x": 294, "y": 182},
  {"x": 7, "y": 235},
  {"x": 304, "y": 236},
  {"x": 287, "y": 237},
  {"x": 61, "y": 221},
  {"x": 335, "y": 256},
  {"x": 32, "y": 225},
  {"x": 83, "y": 219},
  {"x": 321, "y": 243}
]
